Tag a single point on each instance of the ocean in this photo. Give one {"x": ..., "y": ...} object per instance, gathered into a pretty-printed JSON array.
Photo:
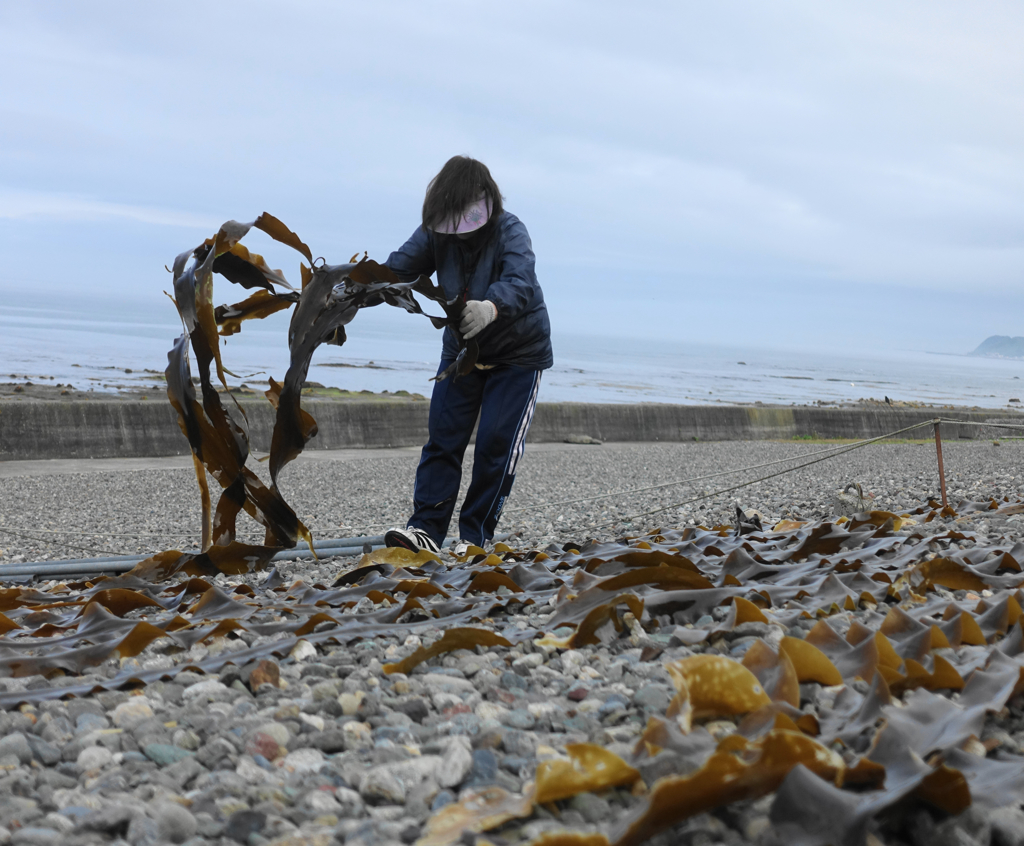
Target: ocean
[{"x": 389, "y": 350}]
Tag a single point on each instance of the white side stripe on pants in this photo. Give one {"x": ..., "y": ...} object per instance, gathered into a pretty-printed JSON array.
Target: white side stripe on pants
[{"x": 519, "y": 444}]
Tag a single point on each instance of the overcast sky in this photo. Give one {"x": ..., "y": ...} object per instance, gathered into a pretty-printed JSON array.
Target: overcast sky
[{"x": 800, "y": 174}]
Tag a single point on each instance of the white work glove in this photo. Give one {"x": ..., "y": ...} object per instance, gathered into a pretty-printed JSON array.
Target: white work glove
[{"x": 477, "y": 316}]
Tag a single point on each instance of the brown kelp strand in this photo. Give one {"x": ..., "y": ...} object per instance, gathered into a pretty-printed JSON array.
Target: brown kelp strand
[
  {"x": 329, "y": 298},
  {"x": 851, "y": 670}
]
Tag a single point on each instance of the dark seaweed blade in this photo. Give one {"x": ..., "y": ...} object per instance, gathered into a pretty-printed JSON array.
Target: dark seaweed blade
[
  {"x": 236, "y": 269},
  {"x": 218, "y": 440},
  {"x": 329, "y": 301}
]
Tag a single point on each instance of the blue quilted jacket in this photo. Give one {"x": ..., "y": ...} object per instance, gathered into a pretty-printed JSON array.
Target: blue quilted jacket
[{"x": 502, "y": 272}]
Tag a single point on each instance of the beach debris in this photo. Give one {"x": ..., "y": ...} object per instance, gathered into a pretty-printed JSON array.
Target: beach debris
[
  {"x": 847, "y": 504},
  {"x": 748, "y": 520}
]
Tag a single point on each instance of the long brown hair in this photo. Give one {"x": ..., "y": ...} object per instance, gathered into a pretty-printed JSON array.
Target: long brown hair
[{"x": 460, "y": 183}]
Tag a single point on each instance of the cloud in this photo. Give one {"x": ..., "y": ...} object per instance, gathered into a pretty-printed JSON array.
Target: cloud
[
  {"x": 668, "y": 148},
  {"x": 45, "y": 206}
]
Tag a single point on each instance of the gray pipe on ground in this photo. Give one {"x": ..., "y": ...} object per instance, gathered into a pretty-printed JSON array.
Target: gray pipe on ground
[{"x": 122, "y": 564}]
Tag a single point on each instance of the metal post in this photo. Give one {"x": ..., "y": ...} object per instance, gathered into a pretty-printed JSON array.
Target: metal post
[{"x": 942, "y": 472}]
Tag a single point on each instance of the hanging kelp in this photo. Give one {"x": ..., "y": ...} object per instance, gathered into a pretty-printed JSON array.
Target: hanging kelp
[{"x": 329, "y": 298}]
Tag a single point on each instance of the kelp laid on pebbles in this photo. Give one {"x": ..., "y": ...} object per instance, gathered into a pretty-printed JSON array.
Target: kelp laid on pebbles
[
  {"x": 806, "y": 682},
  {"x": 812, "y": 681}
]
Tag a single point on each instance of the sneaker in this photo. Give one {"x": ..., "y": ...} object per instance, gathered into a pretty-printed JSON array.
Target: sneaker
[
  {"x": 410, "y": 538},
  {"x": 460, "y": 549}
]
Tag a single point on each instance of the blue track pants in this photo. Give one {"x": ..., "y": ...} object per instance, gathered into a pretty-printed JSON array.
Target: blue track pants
[{"x": 505, "y": 398}]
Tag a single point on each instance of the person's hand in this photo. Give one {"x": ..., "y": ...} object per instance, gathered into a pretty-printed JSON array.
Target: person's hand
[{"x": 477, "y": 316}]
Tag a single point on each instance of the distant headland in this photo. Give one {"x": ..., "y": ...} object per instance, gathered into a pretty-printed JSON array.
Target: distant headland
[{"x": 1000, "y": 346}]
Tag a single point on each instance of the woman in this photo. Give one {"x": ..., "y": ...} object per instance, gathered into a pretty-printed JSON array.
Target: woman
[{"x": 483, "y": 258}]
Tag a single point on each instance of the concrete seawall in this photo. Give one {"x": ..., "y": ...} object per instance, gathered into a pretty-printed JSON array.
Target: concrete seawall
[{"x": 113, "y": 429}]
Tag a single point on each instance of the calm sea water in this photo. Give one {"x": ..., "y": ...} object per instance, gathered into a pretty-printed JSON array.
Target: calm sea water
[{"x": 392, "y": 351}]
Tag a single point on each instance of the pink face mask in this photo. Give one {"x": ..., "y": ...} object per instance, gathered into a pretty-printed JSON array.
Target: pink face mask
[{"x": 472, "y": 218}]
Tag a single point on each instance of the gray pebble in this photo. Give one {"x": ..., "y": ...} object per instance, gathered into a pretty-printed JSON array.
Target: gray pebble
[
  {"x": 142, "y": 831},
  {"x": 16, "y": 744},
  {"x": 89, "y": 721},
  {"x": 112, "y": 820},
  {"x": 513, "y": 681},
  {"x": 751, "y": 630},
  {"x": 456, "y": 763},
  {"x": 414, "y": 707},
  {"x": 485, "y": 768},
  {"x": 174, "y": 823},
  {"x": 243, "y": 823},
  {"x": 1007, "y": 826},
  {"x": 32, "y": 836},
  {"x": 519, "y": 743},
  {"x": 591, "y": 807},
  {"x": 164, "y": 754},
  {"x": 380, "y": 786},
  {"x": 653, "y": 698},
  {"x": 46, "y": 753},
  {"x": 444, "y": 797},
  {"x": 518, "y": 718}
]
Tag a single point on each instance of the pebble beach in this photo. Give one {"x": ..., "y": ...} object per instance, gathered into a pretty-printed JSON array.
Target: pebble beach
[
  {"x": 348, "y": 493},
  {"x": 321, "y": 741}
]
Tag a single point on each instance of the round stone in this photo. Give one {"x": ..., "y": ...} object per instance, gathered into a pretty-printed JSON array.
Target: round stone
[
  {"x": 94, "y": 758},
  {"x": 173, "y": 822},
  {"x": 129, "y": 714}
]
